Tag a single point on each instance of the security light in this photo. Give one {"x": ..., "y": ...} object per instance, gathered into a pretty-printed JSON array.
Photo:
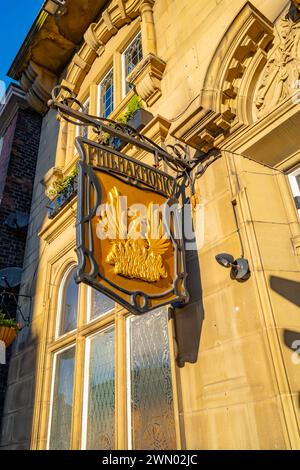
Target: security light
[
  {"x": 55, "y": 7},
  {"x": 239, "y": 268},
  {"x": 225, "y": 260}
]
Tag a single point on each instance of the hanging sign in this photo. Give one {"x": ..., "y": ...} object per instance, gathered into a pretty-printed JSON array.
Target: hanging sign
[{"x": 129, "y": 238}]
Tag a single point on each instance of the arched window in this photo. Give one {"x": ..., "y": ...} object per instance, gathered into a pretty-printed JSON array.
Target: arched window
[{"x": 68, "y": 304}]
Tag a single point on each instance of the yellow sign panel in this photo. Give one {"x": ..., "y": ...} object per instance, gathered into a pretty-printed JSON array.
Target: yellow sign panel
[{"x": 129, "y": 241}]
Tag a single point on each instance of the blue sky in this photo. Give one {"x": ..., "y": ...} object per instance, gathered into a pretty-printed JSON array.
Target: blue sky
[{"x": 17, "y": 18}]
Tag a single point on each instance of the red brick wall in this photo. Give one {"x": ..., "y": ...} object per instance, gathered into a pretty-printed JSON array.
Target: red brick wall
[
  {"x": 5, "y": 153},
  {"x": 17, "y": 169}
]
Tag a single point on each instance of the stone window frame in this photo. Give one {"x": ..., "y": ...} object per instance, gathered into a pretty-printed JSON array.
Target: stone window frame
[
  {"x": 125, "y": 85},
  {"x": 55, "y": 356},
  {"x": 100, "y": 111},
  {"x": 91, "y": 93},
  {"x": 61, "y": 301}
]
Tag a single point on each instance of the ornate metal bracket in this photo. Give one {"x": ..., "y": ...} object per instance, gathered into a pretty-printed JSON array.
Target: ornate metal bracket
[{"x": 177, "y": 157}]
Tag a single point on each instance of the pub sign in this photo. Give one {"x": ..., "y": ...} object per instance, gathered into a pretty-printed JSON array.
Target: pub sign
[{"x": 129, "y": 239}]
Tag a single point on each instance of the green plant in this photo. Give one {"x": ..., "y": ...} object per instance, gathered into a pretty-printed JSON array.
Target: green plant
[
  {"x": 61, "y": 184},
  {"x": 134, "y": 104},
  {"x": 9, "y": 322}
]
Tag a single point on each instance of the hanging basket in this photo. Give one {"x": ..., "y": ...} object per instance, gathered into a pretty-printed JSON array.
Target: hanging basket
[{"x": 7, "y": 335}]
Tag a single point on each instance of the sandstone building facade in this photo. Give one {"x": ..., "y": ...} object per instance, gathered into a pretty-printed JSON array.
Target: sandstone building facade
[{"x": 221, "y": 77}]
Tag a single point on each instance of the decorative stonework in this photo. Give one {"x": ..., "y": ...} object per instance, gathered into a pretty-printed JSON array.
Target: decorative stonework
[
  {"x": 281, "y": 75},
  {"x": 37, "y": 83},
  {"x": 223, "y": 103},
  {"x": 91, "y": 39},
  {"x": 146, "y": 78},
  {"x": 54, "y": 41}
]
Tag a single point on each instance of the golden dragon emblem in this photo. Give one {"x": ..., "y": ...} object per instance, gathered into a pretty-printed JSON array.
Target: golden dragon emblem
[{"x": 134, "y": 257}]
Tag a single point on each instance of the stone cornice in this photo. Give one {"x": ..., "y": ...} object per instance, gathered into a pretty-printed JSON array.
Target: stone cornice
[
  {"x": 52, "y": 40},
  {"x": 50, "y": 48}
]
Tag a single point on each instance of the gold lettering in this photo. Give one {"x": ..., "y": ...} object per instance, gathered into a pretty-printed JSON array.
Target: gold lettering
[
  {"x": 119, "y": 164},
  {"x": 152, "y": 178},
  {"x": 129, "y": 169}
]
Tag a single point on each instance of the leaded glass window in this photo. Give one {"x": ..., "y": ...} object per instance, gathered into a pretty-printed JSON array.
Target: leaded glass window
[
  {"x": 131, "y": 57},
  {"x": 99, "y": 419},
  {"x": 68, "y": 304},
  {"x": 100, "y": 304},
  {"x": 107, "y": 94},
  {"x": 62, "y": 400},
  {"x": 150, "y": 413}
]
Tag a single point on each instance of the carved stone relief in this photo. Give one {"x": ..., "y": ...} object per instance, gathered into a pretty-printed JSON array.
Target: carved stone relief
[{"x": 281, "y": 75}]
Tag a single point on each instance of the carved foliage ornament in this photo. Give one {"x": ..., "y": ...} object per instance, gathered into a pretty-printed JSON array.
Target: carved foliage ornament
[
  {"x": 134, "y": 258},
  {"x": 281, "y": 75}
]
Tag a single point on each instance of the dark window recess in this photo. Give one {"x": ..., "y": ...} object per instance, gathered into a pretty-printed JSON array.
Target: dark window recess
[
  {"x": 298, "y": 180},
  {"x": 297, "y": 201},
  {"x": 62, "y": 199}
]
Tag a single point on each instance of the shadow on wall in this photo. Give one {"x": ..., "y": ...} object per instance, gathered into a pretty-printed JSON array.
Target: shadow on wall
[
  {"x": 188, "y": 320},
  {"x": 290, "y": 290}
]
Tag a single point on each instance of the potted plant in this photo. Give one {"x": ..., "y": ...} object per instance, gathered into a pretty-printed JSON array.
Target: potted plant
[
  {"x": 9, "y": 329},
  {"x": 135, "y": 115},
  {"x": 61, "y": 192}
]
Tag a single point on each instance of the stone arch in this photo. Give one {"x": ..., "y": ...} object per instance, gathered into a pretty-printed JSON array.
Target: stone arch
[{"x": 227, "y": 94}]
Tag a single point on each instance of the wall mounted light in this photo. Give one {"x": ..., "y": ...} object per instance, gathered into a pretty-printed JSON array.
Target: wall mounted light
[
  {"x": 240, "y": 269},
  {"x": 55, "y": 7}
]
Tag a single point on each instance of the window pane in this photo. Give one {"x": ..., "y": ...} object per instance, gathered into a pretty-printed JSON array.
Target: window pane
[
  {"x": 62, "y": 399},
  {"x": 132, "y": 56},
  {"x": 107, "y": 95},
  {"x": 152, "y": 415},
  {"x": 100, "y": 304},
  {"x": 69, "y": 305},
  {"x": 100, "y": 414}
]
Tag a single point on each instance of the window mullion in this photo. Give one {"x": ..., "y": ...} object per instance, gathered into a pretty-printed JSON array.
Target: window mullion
[
  {"x": 121, "y": 381},
  {"x": 175, "y": 380},
  {"x": 82, "y": 306},
  {"x": 118, "y": 73},
  {"x": 76, "y": 438}
]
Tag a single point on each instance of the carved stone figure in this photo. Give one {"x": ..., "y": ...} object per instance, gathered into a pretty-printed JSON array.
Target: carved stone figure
[{"x": 281, "y": 76}]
